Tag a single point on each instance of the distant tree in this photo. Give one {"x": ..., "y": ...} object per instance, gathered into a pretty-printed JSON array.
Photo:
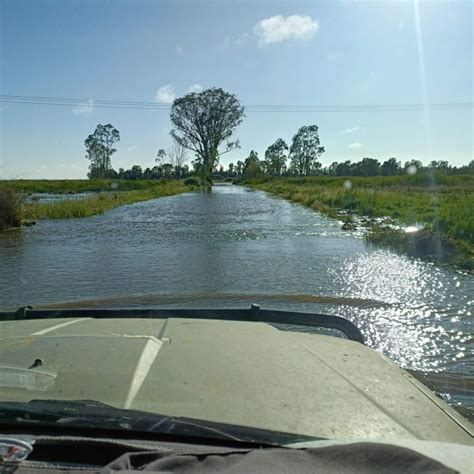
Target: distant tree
[
  {"x": 332, "y": 168},
  {"x": 134, "y": 173},
  {"x": 95, "y": 173},
  {"x": 239, "y": 169},
  {"x": 231, "y": 169},
  {"x": 99, "y": 149},
  {"x": 197, "y": 166},
  {"x": 160, "y": 156},
  {"x": 465, "y": 169},
  {"x": 305, "y": 151},
  {"x": 184, "y": 171},
  {"x": 416, "y": 165},
  {"x": 204, "y": 120},
  {"x": 167, "y": 169},
  {"x": 156, "y": 172},
  {"x": 252, "y": 166},
  {"x": 344, "y": 169},
  {"x": 264, "y": 167},
  {"x": 147, "y": 173},
  {"x": 439, "y": 165},
  {"x": 390, "y": 167},
  {"x": 366, "y": 167},
  {"x": 177, "y": 155},
  {"x": 275, "y": 157}
]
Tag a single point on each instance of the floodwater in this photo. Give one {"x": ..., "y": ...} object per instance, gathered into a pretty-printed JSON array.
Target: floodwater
[
  {"x": 52, "y": 197},
  {"x": 235, "y": 246}
]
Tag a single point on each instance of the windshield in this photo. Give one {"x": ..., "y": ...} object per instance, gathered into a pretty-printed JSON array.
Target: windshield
[{"x": 312, "y": 157}]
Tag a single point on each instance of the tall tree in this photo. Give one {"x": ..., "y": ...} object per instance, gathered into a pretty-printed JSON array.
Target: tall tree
[
  {"x": 366, "y": 167},
  {"x": 390, "y": 167},
  {"x": 239, "y": 168},
  {"x": 332, "y": 168},
  {"x": 305, "y": 150},
  {"x": 344, "y": 169},
  {"x": 439, "y": 165},
  {"x": 275, "y": 157},
  {"x": 99, "y": 149},
  {"x": 177, "y": 155},
  {"x": 203, "y": 121},
  {"x": 168, "y": 169},
  {"x": 252, "y": 166},
  {"x": 160, "y": 157},
  {"x": 134, "y": 173}
]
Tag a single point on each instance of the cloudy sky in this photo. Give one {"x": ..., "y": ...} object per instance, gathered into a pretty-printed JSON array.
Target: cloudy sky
[{"x": 334, "y": 53}]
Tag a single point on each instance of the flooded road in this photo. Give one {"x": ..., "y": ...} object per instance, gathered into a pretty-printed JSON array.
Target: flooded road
[{"x": 235, "y": 246}]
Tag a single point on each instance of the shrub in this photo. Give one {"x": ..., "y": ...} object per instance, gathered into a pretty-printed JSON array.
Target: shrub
[
  {"x": 191, "y": 182},
  {"x": 11, "y": 208}
]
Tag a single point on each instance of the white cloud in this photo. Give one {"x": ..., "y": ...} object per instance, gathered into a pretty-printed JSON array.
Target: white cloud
[
  {"x": 179, "y": 50},
  {"x": 350, "y": 130},
  {"x": 195, "y": 88},
  {"x": 279, "y": 28},
  {"x": 165, "y": 94},
  {"x": 84, "y": 107},
  {"x": 132, "y": 148},
  {"x": 355, "y": 145}
]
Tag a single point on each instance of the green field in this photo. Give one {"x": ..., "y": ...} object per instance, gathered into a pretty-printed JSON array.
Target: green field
[
  {"x": 443, "y": 204},
  {"x": 69, "y": 186},
  {"x": 111, "y": 193}
]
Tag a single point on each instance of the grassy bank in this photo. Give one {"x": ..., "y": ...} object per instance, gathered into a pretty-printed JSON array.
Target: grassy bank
[
  {"x": 109, "y": 196},
  {"x": 70, "y": 186},
  {"x": 11, "y": 207},
  {"x": 443, "y": 204}
]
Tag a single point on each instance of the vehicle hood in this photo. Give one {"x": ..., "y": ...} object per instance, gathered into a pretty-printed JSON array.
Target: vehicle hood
[{"x": 249, "y": 374}]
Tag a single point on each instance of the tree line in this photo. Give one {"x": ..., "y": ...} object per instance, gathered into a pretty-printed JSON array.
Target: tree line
[
  {"x": 204, "y": 123},
  {"x": 253, "y": 167}
]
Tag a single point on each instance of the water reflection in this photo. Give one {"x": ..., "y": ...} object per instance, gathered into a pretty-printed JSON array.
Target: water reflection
[{"x": 426, "y": 326}]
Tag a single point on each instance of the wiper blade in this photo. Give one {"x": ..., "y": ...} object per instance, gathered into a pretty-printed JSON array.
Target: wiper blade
[
  {"x": 97, "y": 415},
  {"x": 254, "y": 314}
]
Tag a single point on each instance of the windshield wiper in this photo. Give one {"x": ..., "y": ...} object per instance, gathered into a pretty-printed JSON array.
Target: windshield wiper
[
  {"x": 96, "y": 415},
  {"x": 254, "y": 314}
]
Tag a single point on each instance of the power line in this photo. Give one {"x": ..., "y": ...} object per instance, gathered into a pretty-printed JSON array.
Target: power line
[{"x": 266, "y": 108}]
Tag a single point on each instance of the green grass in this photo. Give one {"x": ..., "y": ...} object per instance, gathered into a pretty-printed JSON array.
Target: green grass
[
  {"x": 102, "y": 202},
  {"x": 11, "y": 205},
  {"x": 65, "y": 186},
  {"x": 444, "y": 204}
]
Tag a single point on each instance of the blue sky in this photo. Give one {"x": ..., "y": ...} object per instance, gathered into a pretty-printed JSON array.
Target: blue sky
[{"x": 290, "y": 53}]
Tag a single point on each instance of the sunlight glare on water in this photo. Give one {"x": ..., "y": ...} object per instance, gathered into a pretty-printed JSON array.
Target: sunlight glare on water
[{"x": 412, "y": 329}]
